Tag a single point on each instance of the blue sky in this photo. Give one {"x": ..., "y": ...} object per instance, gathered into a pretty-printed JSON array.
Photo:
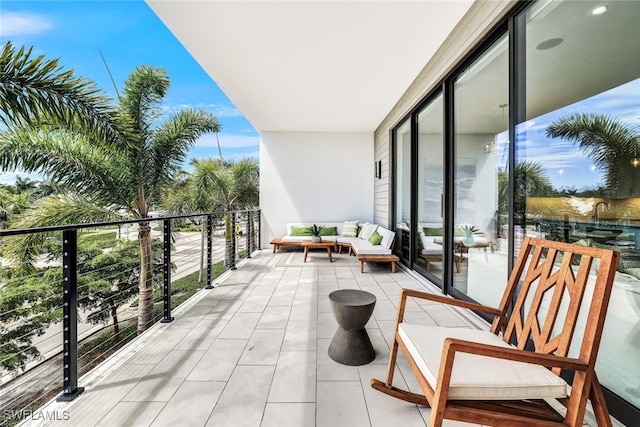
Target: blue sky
[
  {"x": 128, "y": 34},
  {"x": 566, "y": 166}
]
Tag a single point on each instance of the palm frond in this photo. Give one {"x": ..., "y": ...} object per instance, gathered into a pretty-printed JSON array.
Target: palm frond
[
  {"x": 38, "y": 90},
  {"x": 65, "y": 209},
  {"x": 23, "y": 250},
  {"x": 180, "y": 202},
  {"x": 145, "y": 87},
  {"x": 173, "y": 139},
  {"x": 68, "y": 160},
  {"x": 212, "y": 182},
  {"x": 246, "y": 187},
  {"x": 609, "y": 143}
]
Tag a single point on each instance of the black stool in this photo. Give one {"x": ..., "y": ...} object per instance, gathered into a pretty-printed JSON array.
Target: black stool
[{"x": 352, "y": 309}]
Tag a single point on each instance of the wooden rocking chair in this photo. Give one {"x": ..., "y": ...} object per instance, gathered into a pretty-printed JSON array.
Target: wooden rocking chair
[{"x": 510, "y": 375}]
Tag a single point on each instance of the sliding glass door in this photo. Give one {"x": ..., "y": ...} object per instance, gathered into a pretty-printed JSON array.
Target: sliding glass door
[
  {"x": 577, "y": 159},
  {"x": 480, "y": 173},
  {"x": 429, "y": 242},
  {"x": 402, "y": 208}
]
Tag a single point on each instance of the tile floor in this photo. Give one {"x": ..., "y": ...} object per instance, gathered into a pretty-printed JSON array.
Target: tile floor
[{"x": 253, "y": 352}]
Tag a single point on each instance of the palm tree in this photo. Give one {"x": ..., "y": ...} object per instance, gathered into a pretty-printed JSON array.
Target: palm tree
[
  {"x": 37, "y": 90},
  {"x": 24, "y": 184},
  {"x": 531, "y": 180},
  {"x": 182, "y": 200},
  {"x": 47, "y": 187},
  {"x": 609, "y": 143},
  {"x": 12, "y": 204},
  {"x": 110, "y": 178},
  {"x": 231, "y": 185}
]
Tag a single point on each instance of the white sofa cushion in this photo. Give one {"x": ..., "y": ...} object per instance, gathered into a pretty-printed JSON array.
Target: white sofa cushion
[
  {"x": 474, "y": 376},
  {"x": 429, "y": 247},
  {"x": 342, "y": 239},
  {"x": 387, "y": 237},
  {"x": 364, "y": 247}
]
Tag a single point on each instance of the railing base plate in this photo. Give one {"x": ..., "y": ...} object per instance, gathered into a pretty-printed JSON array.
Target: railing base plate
[
  {"x": 167, "y": 320},
  {"x": 68, "y": 397}
]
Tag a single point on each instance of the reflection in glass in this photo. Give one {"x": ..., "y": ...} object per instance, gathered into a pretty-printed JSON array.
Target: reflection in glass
[
  {"x": 481, "y": 176},
  {"x": 402, "y": 138},
  {"x": 576, "y": 180},
  {"x": 429, "y": 244}
]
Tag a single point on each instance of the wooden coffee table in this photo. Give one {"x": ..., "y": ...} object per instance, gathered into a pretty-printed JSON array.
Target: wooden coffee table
[
  {"x": 320, "y": 245},
  {"x": 278, "y": 242}
]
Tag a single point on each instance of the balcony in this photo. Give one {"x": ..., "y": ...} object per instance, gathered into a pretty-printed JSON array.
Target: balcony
[{"x": 252, "y": 351}]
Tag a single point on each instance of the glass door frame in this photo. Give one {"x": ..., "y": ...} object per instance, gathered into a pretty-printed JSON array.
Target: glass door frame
[{"x": 517, "y": 99}]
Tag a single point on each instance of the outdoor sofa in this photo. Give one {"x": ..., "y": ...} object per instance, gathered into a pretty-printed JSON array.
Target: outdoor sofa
[{"x": 368, "y": 242}]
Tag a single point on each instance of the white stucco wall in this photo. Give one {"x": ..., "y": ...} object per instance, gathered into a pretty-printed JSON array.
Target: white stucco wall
[{"x": 314, "y": 177}]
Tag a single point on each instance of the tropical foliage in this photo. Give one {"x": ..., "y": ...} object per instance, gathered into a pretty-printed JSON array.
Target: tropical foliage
[
  {"x": 38, "y": 90},
  {"x": 106, "y": 281},
  {"x": 609, "y": 143},
  {"x": 110, "y": 280},
  {"x": 122, "y": 174},
  {"x": 27, "y": 307},
  {"x": 217, "y": 185}
]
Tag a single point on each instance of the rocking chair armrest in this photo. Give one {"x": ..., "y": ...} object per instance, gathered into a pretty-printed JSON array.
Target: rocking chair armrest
[
  {"x": 453, "y": 345},
  {"x": 446, "y": 300}
]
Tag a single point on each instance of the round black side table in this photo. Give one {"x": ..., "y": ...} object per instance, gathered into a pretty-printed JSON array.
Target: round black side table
[{"x": 352, "y": 309}]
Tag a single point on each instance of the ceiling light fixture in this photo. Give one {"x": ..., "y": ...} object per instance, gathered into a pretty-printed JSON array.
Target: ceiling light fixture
[
  {"x": 599, "y": 10},
  {"x": 635, "y": 162}
]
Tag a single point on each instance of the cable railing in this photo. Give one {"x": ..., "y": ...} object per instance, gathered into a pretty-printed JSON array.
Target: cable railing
[{"x": 69, "y": 294}]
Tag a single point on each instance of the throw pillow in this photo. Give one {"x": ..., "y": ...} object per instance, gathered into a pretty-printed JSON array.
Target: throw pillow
[
  {"x": 361, "y": 229},
  {"x": 375, "y": 238},
  {"x": 428, "y": 231},
  {"x": 301, "y": 231},
  {"x": 329, "y": 231},
  {"x": 350, "y": 229},
  {"x": 367, "y": 231}
]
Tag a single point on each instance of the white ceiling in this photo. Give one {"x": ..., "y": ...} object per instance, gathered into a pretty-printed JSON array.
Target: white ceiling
[{"x": 312, "y": 66}]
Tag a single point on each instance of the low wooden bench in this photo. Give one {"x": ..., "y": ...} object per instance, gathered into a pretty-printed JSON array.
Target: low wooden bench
[{"x": 378, "y": 258}]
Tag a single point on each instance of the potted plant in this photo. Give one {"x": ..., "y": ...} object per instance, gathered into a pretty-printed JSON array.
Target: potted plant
[
  {"x": 315, "y": 233},
  {"x": 469, "y": 230}
]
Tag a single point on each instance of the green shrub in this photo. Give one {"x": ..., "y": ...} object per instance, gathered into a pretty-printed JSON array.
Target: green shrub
[{"x": 102, "y": 238}]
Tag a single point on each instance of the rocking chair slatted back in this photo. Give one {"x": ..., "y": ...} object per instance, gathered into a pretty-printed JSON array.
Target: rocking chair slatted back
[{"x": 549, "y": 298}]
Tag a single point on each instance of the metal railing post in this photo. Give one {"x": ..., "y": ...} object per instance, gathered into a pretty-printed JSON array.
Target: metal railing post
[
  {"x": 259, "y": 229},
  {"x": 209, "y": 252},
  {"x": 166, "y": 271},
  {"x": 248, "y": 234},
  {"x": 70, "y": 316},
  {"x": 233, "y": 242}
]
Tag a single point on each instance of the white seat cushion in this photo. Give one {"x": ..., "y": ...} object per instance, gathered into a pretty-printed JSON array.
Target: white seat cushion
[
  {"x": 364, "y": 247},
  {"x": 343, "y": 239},
  {"x": 429, "y": 247},
  {"x": 479, "y": 377}
]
